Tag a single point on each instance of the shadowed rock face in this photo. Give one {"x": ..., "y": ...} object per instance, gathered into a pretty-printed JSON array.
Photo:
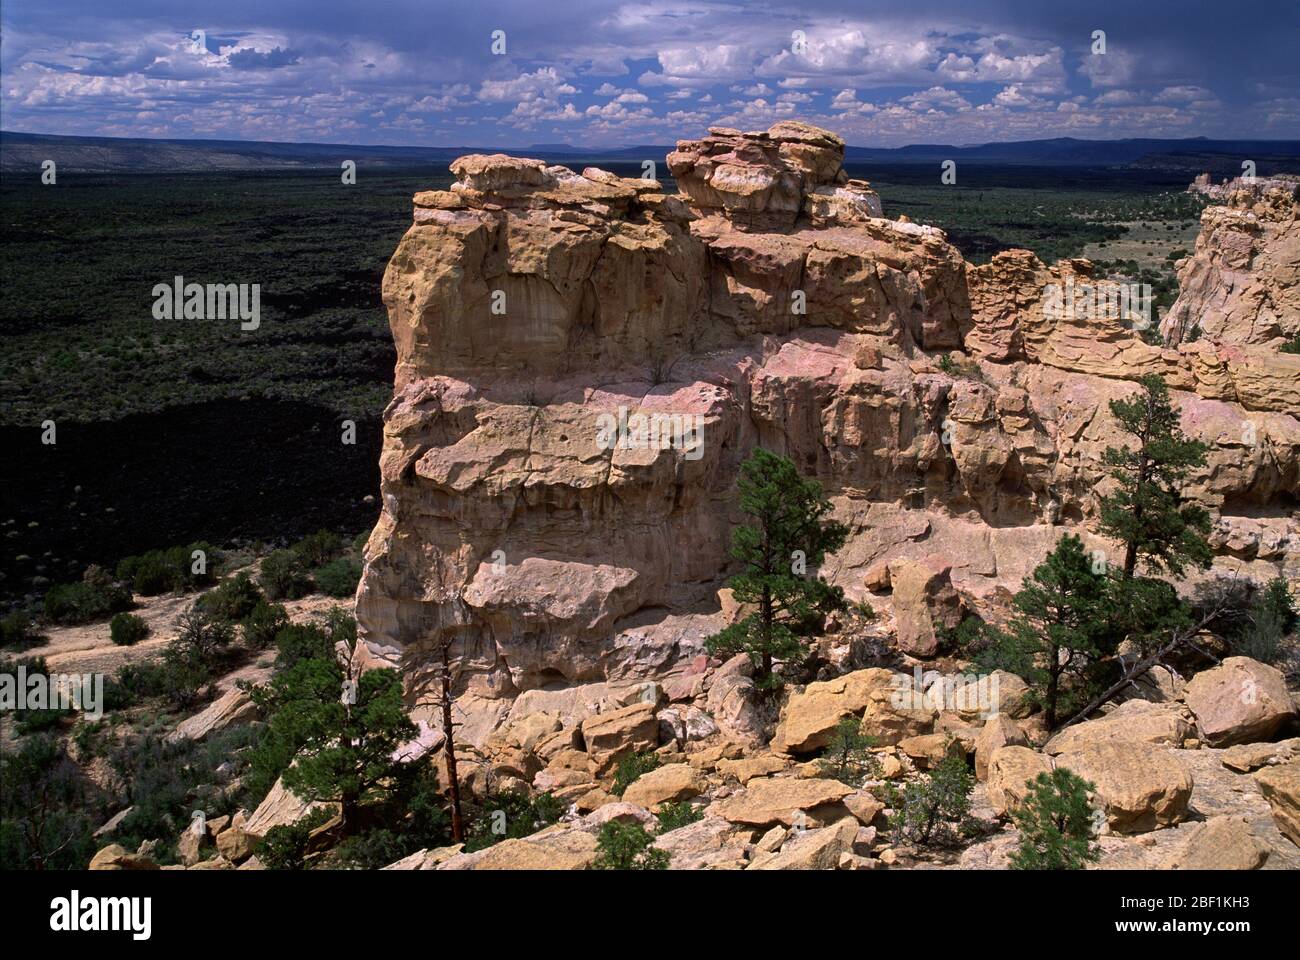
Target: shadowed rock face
[{"x": 584, "y": 362}]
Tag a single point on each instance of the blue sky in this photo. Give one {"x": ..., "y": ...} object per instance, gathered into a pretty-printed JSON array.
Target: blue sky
[{"x": 620, "y": 73}]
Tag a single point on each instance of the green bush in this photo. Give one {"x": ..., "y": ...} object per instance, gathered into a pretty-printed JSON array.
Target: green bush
[
  {"x": 1292, "y": 345},
  {"x": 319, "y": 548},
  {"x": 19, "y": 633},
  {"x": 301, "y": 641},
  {"x": 934, "y": 809},
  {"x": 286, "y": 847},
  {"x": 1277, "y": 599},
  {"x": 848, "y": 757},
  {"x": 511, "y": 815},
  {"x": 171, "y": 570},
  {"x": 260, "y": 628},
  {"x": 338, "y": 578},
  {"x": 46, "y": 805},
  {"x": 283, "y": 576},
  {"x": 1056, "y": 824},
  {"x": 126, "y": 629},
  {"x": 233, "y": 600},
  {"x": 673, "y": 815},
  {"x": 73, "y": 603},
  {"x": 627, "y": 846},
  {"x": 630, "y": 767}
]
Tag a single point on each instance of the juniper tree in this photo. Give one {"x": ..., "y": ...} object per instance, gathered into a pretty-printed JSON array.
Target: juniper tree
[
  {"x": 790, "y": 536},
  {"x": 1060, "y": 631},
  {"x": 1055, "y": 824},
  {"x": 1147, "y": 514}
]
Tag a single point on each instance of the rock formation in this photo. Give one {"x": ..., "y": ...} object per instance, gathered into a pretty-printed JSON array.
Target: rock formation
[{"x": 584, "y": 360}]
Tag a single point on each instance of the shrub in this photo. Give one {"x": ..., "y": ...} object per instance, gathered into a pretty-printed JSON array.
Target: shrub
[
  {"x": 260, "y": 628},
  {"x": 286, "y": 847},
  {"x": 630, "y": 767},
  {"x": 233, "y": 600},
  {"x": 283, "y": 576},
  {"x": 848, "y": 757},
  {"x": 44, "y": 804},
  {"x": 174, "y": 569},
  {"x": 207, "y": 636},
  {"x": 1292, "y": 345},
  {"x": 126, "y": 629},
  {"x": 935, "y": 808},
  {"x": 30, "y": 719},
  {"x": 673, "y": 815},
  {"x": 319, "y": 548},
  {"x": 627, "y": 846},
  {"x": 338, "y": 578},
  {"x": 301, "y": 641},
  {"x": 1278, "y": 600},
  {"x": 510, "y": 815},
  {"x": 1055, "y": 824},
  {"x": 73, "y": 603},
  {"x": 1261, "y": 639},
  {"x": 19, "y": 633}
]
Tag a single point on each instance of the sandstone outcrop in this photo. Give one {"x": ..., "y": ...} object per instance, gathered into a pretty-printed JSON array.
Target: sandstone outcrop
[{"x": 584, "y": 360}]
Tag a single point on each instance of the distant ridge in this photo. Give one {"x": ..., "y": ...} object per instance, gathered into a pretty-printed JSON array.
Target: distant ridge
[{"x": 25, "y": 152}]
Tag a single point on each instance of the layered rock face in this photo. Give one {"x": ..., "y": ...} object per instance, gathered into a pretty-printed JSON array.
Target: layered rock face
[
  {"x": 1242, "y": 284},
  {"x": 584, "y": 361}
]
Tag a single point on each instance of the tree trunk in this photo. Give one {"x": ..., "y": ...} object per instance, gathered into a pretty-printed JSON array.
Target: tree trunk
[{"x": 449, "y": 746}]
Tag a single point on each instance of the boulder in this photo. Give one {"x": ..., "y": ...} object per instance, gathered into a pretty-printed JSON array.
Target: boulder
[
  {"x": 864, "y": 807},
  {"x": 809, "y": 717},
  {"x": 785, "y": 800},
  {"x": 925, "y": 602},
  {"x": 708, "y": 844},
  {"x": 115, "y": 857},
  {"x": 1000, "y": 731},
  {"x": 747, "y": 768},
  {"x": 929, "y": 750},
  {"x": 280, "y": 808},
  {"x": 235, "y": 843},
  {"x": 1220, "y": 843},
  {"x": 812, "y": 849},
  {"x": 631, "y": 729},
  {"x": 1141, "y": 786},
  {"x": 553, "y": 849},
  {"x": 1136, "y": 721},
  {"x": 673, "y": 781},
  {"x": 1239, "y": 701},
  {"x": 1246, "y": 757},
  {"x": 230, "y": 709},
  {"x": 1009, "y": 771},
  {"x": 425, "y": 859},
  {"x": 1280, "y": 786}
]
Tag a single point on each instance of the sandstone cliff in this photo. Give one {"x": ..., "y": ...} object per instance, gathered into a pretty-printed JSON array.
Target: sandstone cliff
[{"x": 771, "y": 303}]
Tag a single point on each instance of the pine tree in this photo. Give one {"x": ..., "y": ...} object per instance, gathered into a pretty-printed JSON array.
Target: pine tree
[
  {"x": 1060, "y": 629},
  {"x": 1147, "y": 514},
  {"x": 343, "y": 737},
  {"x": 848, "y": 757},
  {"x": 791, "y": 536},
  {"x": 1055, "y": 824}
]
